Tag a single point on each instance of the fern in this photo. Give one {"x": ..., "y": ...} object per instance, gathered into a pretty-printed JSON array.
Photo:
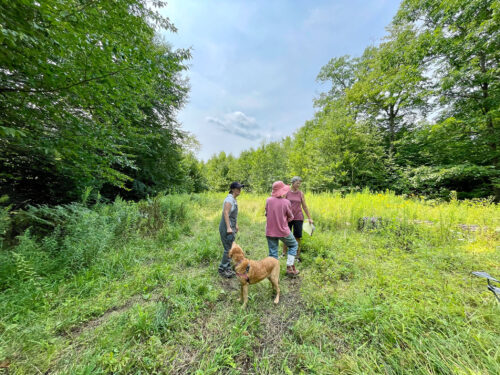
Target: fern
[{"x": 25, "y": 271}]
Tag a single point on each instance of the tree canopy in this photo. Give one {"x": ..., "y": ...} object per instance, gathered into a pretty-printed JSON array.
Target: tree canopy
[
  {"x": 417, "y": 113},
  {"x": 88, "y": 98}
]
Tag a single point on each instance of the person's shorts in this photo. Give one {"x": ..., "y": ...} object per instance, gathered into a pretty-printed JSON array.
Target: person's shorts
[{"x": 297, "y": 227}]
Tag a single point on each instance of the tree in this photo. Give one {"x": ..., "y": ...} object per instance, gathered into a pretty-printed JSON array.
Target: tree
[
  {"x": 341, "y": 73},
  {"x": 390, "y": 87},
  {"x": 464, "y": 53},
  {"x": 269, "y": 164},
  {"x": 418, "y": 113},
  {"x": 217, "y": 171},
  {"x": 335, "y": 152},
  {"x": 87, "y": 94}
]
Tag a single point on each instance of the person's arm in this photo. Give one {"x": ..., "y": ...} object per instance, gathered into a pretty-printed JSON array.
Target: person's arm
[
  {"x": 304, "y": 206},
  {"x": 289, "y": 214},
  {"x": 227, "y": 209}
]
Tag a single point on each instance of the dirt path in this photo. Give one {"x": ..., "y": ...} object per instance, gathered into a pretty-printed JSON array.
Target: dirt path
[
  {"x": 279, "y": 320},
  {"x": 275, "y": 322}
]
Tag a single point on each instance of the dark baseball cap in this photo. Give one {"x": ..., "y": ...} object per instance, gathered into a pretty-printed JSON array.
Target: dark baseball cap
[{"x": 236, "y": 185}]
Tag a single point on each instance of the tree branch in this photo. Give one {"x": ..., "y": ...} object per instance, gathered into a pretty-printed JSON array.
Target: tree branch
[{"x": 9, "y": 89}]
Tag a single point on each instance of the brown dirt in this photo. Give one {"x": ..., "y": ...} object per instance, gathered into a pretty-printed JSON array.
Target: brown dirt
[{"x": 275, "y": 323}]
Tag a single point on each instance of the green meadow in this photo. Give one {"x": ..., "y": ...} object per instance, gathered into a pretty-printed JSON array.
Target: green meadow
[{"x": 132, "y": 288}]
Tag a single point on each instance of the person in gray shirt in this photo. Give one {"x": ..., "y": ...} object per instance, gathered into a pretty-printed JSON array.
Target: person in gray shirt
[{"x": 228, "y": 227}]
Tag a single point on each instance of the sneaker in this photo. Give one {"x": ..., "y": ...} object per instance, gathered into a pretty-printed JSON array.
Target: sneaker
[
  {"x": 227, "y": 273},
  {"x": 295, "y": 270}
]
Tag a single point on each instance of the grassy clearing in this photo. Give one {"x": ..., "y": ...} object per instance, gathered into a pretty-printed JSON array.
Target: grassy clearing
[{"x": 133, "y": 288}]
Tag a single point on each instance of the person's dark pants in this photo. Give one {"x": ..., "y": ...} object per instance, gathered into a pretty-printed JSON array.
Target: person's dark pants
[
  {"x": 296, "y": 225},
  {"x": 227, "y": 242}
]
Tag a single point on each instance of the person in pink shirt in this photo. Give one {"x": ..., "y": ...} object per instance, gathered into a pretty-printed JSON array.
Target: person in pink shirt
[
  {"x": 296, "y": 198},
  {"x": 278, "y": 214}
]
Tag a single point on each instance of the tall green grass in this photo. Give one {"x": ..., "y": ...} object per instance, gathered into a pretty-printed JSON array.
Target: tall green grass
[
  {"x": 132, "y": 288},
  {"x": 401, "y": 294},
  {"x": 74, "y": 262}
]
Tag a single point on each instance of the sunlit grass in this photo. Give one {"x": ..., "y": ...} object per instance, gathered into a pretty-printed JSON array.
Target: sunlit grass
[{"x": 396, "y": 298}]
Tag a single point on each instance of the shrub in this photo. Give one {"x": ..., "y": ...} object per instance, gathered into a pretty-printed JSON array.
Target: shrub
[
  {"x": 470, "y": 181},
  {"x": 66, "y": 239}
]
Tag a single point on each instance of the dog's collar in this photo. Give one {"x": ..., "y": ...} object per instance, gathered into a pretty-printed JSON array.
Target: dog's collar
[{"x": 243, "y": 275}]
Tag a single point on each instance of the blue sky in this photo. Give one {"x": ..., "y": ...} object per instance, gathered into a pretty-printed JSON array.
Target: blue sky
[{"x": 254, "y": 65}]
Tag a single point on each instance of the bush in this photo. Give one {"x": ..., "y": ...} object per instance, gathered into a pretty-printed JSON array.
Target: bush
[
  {"x": 63, "y": 240},
  {"x": 468, "y": 180}
]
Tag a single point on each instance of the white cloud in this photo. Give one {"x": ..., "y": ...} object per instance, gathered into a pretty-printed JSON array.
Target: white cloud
[
  {"x": 262, "y": 58},
  {"x": 239, "y": 124}
]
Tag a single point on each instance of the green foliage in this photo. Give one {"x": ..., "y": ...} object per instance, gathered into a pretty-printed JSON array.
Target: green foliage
[
  {"x": 257, "y": 168},
  {"x": 462, "y": 50},
  {"x": 335, "y": 152},
  {"x": 471, "y": 181},
  {"x": 399, "y": 294},
  {"x": 217, "y": 172},
  {"x": 390, "y": 87},
  {"x": 341, "y": 73},
  {"x": 25, "y": 271},
  {"x": 194, "y": 180},
  {"x": 417, "y": 113},
  {"x": 160, "y": 211},
  {"x": 4, "y": 219},
  {"x": 65, "y": 240},
  {"x": 88, "y": 99},
  {"x": 397, "y": 298}
]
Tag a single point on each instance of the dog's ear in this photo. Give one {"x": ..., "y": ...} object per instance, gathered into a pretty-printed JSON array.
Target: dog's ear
[{"x": 245, "y": 263}]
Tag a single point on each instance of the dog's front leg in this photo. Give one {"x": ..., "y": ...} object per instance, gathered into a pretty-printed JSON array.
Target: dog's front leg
[
  {"x": 241, "y": 292},
  {"x": 244, "y": 290}
]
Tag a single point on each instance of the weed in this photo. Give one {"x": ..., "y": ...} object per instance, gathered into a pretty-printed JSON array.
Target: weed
[{"x": 132, "y": 288}]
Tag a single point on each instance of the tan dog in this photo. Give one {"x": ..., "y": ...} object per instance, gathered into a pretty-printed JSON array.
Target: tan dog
[{"x": 253, "y": 271}]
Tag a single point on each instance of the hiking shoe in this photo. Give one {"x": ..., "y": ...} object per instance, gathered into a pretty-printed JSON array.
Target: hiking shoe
[
  {"x": 295, "y": 270},
  {"x": 291, "y": 271},
  {"x": 227, "y": 273}
]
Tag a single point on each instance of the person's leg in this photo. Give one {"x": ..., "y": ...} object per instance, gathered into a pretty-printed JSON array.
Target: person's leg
[
  {"x": 227, "y": 242},
  {"x": 297, "y": 233},
  {"x": 298, "y": 249},
  {"x": 273, "y": 244},
  {"x": 291, "y": 244},
  {"x": 292, "y": 252},
  {"x": 290, "y": 225}
]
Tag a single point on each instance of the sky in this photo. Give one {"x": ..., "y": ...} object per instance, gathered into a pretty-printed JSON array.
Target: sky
[{"x": 254, "y": 63}]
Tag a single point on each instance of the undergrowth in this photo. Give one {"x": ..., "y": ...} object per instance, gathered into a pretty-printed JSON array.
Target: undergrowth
[{"x": 132, "y": 288}]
